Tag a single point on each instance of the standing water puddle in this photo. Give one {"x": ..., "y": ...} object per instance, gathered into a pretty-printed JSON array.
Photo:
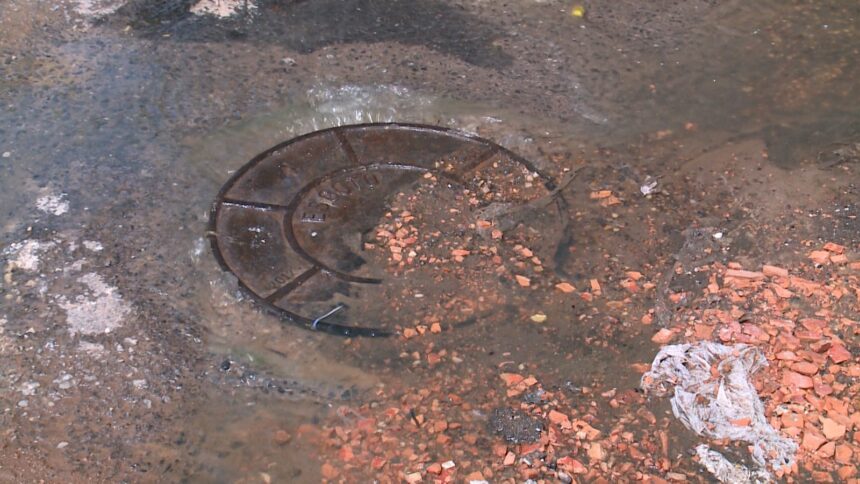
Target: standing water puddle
[
  {"x": 298, "y": 225},
  {"x": 592, "y": 174}
]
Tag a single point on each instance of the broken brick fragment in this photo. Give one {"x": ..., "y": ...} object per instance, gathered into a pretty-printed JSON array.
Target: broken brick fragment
[
  {"x": 838, "y": 354},
  {"x": 791, "y": 419},
  {"x": 781, "y": 291},
  {"x": 596, "y": 452},
  {"x": 820, "y": 257},
  {"x": 345, "y": 453},
  {"x": 774, "y": 271},
  {"x": 846, "y": 472},
  {"x": 835, "y": 248},
  {"x": 832, "y": 430},
  {"x": 500, "y": 450},
  {"x": 565, "y": 287},
  {"x": 805, "y": 368},
  {"x": 601, "y": 194},
  {"x": 328, "y": 471},
  {"x": 812, "y": 441},
  {"x": 559, "y": 419},
  {"x": 569, "y": 464},
  {"x": 511, "y": 379},
  {"x": 839, "y": 259},
  {"x": 786, "y": 356},
  {"x": 742, "y": 274},
  {"x": 741, "y": 422},
  {"x": 663, "y": 336},
  {"x": 796, "y": 380},
  {"x": 843, "y": 454}
]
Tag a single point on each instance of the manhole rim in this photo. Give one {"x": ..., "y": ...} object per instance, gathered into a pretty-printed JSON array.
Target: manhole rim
[{"x": 291, "y": 317}]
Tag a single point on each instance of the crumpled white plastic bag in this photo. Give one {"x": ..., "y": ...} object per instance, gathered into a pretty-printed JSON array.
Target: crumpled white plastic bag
[{"x": 717, "y": 404}]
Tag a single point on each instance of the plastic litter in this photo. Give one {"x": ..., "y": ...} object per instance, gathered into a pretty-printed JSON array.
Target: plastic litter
[
  {"x": 722, "y": 405},
  {"x": 649, "y": 186},
  {"x": 726, "y": 472}
]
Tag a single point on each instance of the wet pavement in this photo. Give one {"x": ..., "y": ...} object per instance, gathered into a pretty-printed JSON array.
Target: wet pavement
[{"x": 657, "y": 155}]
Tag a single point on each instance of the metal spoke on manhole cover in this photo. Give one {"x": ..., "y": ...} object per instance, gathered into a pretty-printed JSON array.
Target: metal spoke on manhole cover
[{"x": 294, "y": 223}]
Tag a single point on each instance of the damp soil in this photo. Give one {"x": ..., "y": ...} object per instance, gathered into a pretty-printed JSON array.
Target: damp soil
[{"x": 129, "y": 354}]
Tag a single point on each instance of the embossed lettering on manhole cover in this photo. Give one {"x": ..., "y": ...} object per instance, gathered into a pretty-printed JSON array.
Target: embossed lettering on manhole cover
[{"x": 299, "y": 225}]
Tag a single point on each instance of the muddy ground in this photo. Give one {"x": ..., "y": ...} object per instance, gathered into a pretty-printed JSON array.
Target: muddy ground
[{"x": 129, "y": 355}]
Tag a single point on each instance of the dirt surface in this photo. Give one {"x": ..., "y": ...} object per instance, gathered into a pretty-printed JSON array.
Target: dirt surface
[{"x": 706, "y": 189}]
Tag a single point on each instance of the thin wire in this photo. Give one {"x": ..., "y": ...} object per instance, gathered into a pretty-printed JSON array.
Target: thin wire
[{"x": 317, "y": 320}]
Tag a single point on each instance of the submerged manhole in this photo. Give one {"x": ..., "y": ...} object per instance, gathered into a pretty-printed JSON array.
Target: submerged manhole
[{"x": 299, "y": 225}]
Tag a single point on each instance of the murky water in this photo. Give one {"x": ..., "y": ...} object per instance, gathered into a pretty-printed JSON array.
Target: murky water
[{"x": 135, "y": 113}]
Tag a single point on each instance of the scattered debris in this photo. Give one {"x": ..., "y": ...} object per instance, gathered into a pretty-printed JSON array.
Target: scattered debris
[
  {"x": 649, "y": 186},
  {"x": 223, "y": 8},
  {"x": 97, "y": 8},
  {"x": 514, "y": 425},
  {"x": 53, "y": 204},
  {"x": 25, "y": 255},
  {"x": 538, "y": 317},
  {"x": 100, "y": 310},
  {"x": 95, "y": 350},
  {"x": 93, "y": 245}
]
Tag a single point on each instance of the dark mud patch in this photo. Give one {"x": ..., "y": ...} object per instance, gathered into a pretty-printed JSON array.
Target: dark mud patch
[
  {"x": 236, "y": 374},
  {"x": 305, "y": 26},
  {"x": 828, "y": 140},
  {"x": 515, "y": 426}
]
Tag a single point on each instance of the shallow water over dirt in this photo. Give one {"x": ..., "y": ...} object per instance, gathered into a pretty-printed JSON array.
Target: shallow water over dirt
[{"x": 129, "y": 355}]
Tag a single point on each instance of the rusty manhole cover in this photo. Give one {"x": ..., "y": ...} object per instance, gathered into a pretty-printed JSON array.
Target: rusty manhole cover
[{"x": 295, "y": 224}]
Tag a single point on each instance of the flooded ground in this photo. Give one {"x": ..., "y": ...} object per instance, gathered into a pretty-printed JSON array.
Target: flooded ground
[{"x": 694, "y": 139}]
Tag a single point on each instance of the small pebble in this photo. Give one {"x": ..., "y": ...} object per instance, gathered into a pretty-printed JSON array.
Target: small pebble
[{"x": 282, "y": 437}]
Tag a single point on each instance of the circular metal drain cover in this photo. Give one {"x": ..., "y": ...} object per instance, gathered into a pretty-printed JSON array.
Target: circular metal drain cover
[{"x": 292, "y": 223}]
